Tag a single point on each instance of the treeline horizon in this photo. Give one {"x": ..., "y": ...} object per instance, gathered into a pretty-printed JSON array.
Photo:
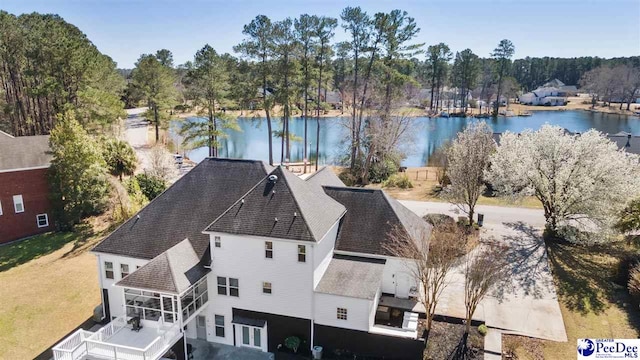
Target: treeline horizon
[{"x": 48, "y": 65}]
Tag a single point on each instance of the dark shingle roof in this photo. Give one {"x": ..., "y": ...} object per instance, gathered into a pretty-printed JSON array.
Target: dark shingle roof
[
  {"x": 325, "y": 177},
  {"x": 626, "y": 142},
  {"x": 352, "y": 276},
  {"x": 303, "y": 211},
  {"x": 185, "y": 209},
  {"x": 24, "y": 151},
  {"x": 371, "y": 216},
  {"x": 173, "y": 271}
]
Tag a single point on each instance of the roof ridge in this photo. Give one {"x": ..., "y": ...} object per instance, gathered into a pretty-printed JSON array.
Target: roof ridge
[
  {"x": 295, "y": 200},
  {"x": 173, "y": 273},
  {"x": 315, "y": 173},
  {"x": 169, "y": 262},
  {"x": 240, "y": 199}
]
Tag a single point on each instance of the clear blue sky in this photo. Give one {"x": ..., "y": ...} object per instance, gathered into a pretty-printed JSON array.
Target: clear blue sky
[{"x": 124, "y": 29}]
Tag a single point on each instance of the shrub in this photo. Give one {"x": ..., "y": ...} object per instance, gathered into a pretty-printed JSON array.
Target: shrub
[
  {"x": 482, "y": 329},
  {"x": 292, "y": 343},
  {"x": 439, "y": 219},
  {"x": 348, "y": 178},
  {"x": 398, "y": 180},
  {"x": 383, "y": 169},
  {"x": 151, "y": 186},
  {"x": 634, "y": 284},
  {"x": 624, "y": 267}
]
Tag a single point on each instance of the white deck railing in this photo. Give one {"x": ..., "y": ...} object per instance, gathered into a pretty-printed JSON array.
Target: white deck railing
[
  {"x": 73, "y": 347},
  {"x": 82, "y": 343}
]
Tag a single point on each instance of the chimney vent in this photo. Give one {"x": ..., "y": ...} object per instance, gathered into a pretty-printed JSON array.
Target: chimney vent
[{"x": 273, "y": 178}]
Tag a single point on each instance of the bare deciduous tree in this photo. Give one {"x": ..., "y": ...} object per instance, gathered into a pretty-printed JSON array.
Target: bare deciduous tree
[
  {"x": 161, "y": 164},
  {"x": 468, "y": 158},
  {"x": 483, "y": 269},
  {"x": 430, "y": 257}
]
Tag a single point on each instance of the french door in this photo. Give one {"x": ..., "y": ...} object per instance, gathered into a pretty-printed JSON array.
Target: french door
[{"x": 251, "y": 336}]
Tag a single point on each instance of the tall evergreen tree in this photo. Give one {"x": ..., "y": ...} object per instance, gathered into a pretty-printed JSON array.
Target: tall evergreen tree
[
  {"x": 358, "y": 25},
  {"x": 304, "y": 27},
  {"x": 259, "y": 46},
  {"x": 156, "y": 82},
  {"x": 286, "y": 45},
  {"x": 207, "y": 81},
  {"x": 48, "y": 66},
  {"x": 502, "y": 54},
  {"x": 437, "y": 58},
  {"x": 324, "y": 31}
]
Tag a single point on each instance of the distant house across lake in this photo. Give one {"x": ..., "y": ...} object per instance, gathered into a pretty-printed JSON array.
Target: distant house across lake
[{"x": 553, "y": 93}]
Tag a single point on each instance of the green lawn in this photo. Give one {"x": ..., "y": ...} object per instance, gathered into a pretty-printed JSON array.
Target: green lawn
[
  {"x": 49, "y": 287},
  {"x": 592, "y": 305},
  {"x": 26, "y": 250}
]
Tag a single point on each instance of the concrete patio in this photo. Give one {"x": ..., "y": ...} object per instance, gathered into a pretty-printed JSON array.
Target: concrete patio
[{"x": 204, "y": 350}]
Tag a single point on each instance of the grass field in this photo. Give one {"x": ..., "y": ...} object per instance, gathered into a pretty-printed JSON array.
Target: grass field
[
  {"x": 592, "y": 305},
  {"x": 48, "y": 287},
  {"x": 424, "y": 179}
]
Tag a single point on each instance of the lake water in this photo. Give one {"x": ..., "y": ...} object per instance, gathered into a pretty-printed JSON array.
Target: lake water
[{"x": 429, "y": 134}]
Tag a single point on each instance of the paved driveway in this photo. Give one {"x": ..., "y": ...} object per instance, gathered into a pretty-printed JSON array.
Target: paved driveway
[{"x": 526, "y": 302}]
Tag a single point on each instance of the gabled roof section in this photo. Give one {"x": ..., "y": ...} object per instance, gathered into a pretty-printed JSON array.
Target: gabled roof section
[
  {"x": 281, "y": 206},
  {"x": 173, "y": 271},
  {"x": 371, "y": 216},
  {"x": 324, "y": 177},
  {"x": 24, "y": 152},
  {"x": 184, "y": 209}
]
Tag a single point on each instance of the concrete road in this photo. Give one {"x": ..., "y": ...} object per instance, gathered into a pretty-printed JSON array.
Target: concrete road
[
  {"x": 492, "y": 214},
  {"x": 526, "y": 302}
]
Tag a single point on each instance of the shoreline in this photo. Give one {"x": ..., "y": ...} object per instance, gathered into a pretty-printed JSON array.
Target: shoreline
[{"x": 517, "y": 109}]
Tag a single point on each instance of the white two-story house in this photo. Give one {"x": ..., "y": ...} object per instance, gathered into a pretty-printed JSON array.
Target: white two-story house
[{"x": 242, "y": 254}]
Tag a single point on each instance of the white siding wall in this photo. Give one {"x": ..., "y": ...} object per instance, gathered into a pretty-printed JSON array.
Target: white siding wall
[
  {"x": 116, "y": 294},
  {"x": 323, "y": 252},
  {"x": 374, "y": 308},
  {"x": 392, "y": 268},
  {"x": 358, "y": 311},
  {"x": 243, "y": 257}
]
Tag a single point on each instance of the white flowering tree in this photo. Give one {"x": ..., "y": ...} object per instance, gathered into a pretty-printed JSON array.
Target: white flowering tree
[
  {"x": 581, "y": 178},
  {"x": 468, "y": 158}
]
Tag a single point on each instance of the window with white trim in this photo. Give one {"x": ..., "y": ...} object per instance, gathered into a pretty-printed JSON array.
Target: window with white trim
[
  {"x": 124, "y": 270},
  {"x": 219, "y": 325},
  {"x": 266, "y": 287},
  {"x": 222, "y": 285},
  {"x": 302, "y": 253},
  {"x": 342, "y": 314},
  {"x": 234, "y": 287},
  {"x": 43, "y": 220},
  {"x": 18, "y": 204},
  {"x": 108, "y": 269},
  {"x": 0, "y": 207},
  {"x": 216, "y": 241},
  {"x": 268, "y": 249}
]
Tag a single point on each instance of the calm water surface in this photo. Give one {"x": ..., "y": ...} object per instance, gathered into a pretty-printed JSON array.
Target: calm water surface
[{"x": 428, "y": 134}]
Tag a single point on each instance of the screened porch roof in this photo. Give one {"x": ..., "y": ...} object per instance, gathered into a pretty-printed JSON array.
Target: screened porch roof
[{"x": 172, "y": 272}]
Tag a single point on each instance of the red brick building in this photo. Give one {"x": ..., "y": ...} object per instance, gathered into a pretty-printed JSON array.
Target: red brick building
[{"x": 24, "y": 193}]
